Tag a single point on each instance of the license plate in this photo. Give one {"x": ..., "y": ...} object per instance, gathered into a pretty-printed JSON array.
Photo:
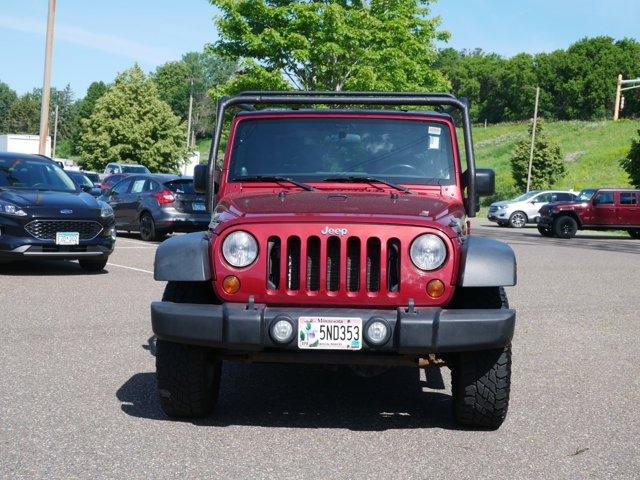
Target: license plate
[
  {"x": 330, "y": 333},
  {"x": 198, "y": 207},
  {"x": 67, "y": 238}
]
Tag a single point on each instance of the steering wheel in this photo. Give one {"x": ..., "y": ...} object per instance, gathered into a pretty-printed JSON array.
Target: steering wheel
[{"x": 406, "y": 166}]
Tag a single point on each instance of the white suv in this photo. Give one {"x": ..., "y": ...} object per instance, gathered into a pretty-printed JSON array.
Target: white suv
[{"x": 525, "y": 208}]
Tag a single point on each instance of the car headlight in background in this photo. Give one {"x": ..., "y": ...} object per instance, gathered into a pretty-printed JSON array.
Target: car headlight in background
[
  {"x": 10, "y": 209},
  {"x": 428, "y": 252},
  {"x": 502, "y": 207},
  {"x": 105, "y": 209},
  {"x": 240, "y": 249}
]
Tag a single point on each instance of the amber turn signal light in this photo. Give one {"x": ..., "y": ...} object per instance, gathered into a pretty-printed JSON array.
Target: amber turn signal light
[
  {"x": 435, "y": 288},
  {"x": 231, "y": 284}
]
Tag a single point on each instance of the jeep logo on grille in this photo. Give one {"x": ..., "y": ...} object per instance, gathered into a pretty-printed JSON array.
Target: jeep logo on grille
[{"x": 334, "y": 231}]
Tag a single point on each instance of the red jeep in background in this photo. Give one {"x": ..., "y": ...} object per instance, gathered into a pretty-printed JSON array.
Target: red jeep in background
[
  {"x": 595, "y": 209},
  {"x": 338, "y": 237}
]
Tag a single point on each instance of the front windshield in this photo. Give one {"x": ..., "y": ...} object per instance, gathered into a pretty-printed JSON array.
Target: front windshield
[
  {"x": 586, "y": 194},
  {"x": 81, "y": 179},
  {"x": 526, "y": 196},
  {"x": 313, "y": 149},
  {"x": 134, "y": 169},
  {"x": 34, "y": 175}
]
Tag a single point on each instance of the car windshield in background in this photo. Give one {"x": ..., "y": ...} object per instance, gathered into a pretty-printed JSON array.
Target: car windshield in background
[
  {"x": 34, "y": 175},
  {"x": 526, "y": 196},
  {"x": 80, "y": 179},
  {"x": 313, "y": 149},
  {"x": 94, "y": 177},
  {"x": 113, "y": 180},
  {"x": 134, "y": 169},
  {"x": 586, "y": 194},
  {"x": 181, "y": 186}
]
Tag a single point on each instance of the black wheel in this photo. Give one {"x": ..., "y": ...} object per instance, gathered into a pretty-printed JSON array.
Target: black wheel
[
  {"x": 481, "y": 381},
  {"x": 518, "y": 219},
  {"x": 188, "y": 376},
  {"x": 148, "y": 230},
  {"x": 545, "y": 231},
  {"x": 93, "y": 265},
  {"x": 188, "y": 379},
  {"x": 634, "y": 233},
  {"x": 565, "y": 226}
]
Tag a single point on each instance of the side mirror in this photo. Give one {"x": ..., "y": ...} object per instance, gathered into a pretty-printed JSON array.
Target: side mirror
[
  {"x": 200, "y": 180},
  {"x": 85, "y": 188},
  {"x": 485, "y": 182}
]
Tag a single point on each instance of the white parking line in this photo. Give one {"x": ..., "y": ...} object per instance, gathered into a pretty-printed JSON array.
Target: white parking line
[{"x": 130, "y": 268}]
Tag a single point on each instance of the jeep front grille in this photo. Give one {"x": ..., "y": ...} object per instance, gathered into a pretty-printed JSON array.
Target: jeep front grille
[
  {"x": 343, "y": 263},
  {"x": 47, "y": 229}
]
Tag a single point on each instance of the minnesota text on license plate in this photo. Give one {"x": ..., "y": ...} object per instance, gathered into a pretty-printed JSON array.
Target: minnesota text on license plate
[
  {"x": 67, "y": 238},
  {"x": 330, "y": 333}
]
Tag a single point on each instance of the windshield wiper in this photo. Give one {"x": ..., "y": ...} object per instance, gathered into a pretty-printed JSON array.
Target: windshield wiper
[
  {"x": 366, "y": 179},
  {"x": 275, "y": 178}
]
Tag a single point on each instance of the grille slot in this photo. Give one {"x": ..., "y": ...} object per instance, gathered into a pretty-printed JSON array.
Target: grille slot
[
  {"x": 47, "y": 229},
  {"x": 373, "y": 265},
  {"x": 393, "y": 265},
  {"x": 273, "y": 263},
  {"x": 353, "y": 264},
  {"x": 313, "y": 264},
  {"x": 293, "y": 263},
  {"x": 333, "y": 264}
]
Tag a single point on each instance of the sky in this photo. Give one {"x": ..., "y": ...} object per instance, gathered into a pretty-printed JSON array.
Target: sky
[{"x": 97, "y": 39}]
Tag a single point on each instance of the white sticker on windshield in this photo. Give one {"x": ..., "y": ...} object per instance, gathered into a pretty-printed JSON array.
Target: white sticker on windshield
[
  {"x": 434, "y": 130},
  {"x": 434, "y": 143}
]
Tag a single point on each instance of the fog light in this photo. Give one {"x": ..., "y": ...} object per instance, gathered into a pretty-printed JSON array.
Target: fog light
[
  {"x": 435, "y": 288},
  {"x": 282, "y": 330},
  {"x": 231, "y": 284},
  {"x": 377, "y": 332}
]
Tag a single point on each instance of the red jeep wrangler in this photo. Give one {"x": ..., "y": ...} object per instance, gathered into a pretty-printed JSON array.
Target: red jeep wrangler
[
  {"x": 594, "y": 209},
  {"x": 339, "y": 237}
]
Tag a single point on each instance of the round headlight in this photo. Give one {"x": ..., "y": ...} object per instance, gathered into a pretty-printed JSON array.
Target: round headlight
[
  {"x": 428, "y": 252},
  {"x": 240, "y": 249}
]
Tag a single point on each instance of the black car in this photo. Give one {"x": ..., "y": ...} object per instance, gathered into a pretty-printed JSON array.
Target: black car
[
  {"x": 84, "y": 182},
  {"x": 157, "y": 204},
  {"x": 44, "y": 214}
]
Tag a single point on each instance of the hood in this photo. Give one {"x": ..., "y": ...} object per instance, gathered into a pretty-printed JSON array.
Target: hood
[
  {"x": 348, "y": 204},
  {"x": 502, "y": 202},
  {"x": 49, "y": 202}
]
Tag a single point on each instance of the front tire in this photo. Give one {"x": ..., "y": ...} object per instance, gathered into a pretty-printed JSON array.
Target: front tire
[
  {"x": 565, "y": 226},
  {"x": 518, "y": 219},
  {"x": 481, "y": 380},
  {"x": 545, "y": 231},
  {"x": 93, "y": 265},
  {"x": 188, "y": 376},
  {"x": 148, "y": 230}
]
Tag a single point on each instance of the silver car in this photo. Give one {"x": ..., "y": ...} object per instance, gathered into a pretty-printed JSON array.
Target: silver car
[{"x": 525, "y": 208}]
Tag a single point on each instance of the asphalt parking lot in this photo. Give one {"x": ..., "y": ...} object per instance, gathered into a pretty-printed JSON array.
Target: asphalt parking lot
[{"x": 78, "y": 386}]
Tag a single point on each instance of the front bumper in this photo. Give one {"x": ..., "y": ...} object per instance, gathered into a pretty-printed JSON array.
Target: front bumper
[
  {"x": 498, "y": 215},
  {"x": 545, "y": 221},
  {"x": 244, "y": 328}
]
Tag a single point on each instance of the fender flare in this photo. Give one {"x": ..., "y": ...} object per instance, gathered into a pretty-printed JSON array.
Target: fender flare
[
  {"x": 487, "y": 263},
  {"x": 184, "y": 258}
]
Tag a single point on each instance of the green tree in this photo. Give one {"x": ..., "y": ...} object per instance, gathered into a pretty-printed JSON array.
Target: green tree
[
  {"x": 207, "y": 70},
  {"x": 84, "y": 109},
  {"x": 7, "y": 97},
  {"x": 547, "y": 166},
  {"x": 131, "y": 124},
  {"x": 23, "y": 115},
  {"x": 631, "y": 163},
  {"x": 331, "y": 44}
]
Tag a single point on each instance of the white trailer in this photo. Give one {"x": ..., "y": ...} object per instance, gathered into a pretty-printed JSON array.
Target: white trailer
[{"x": 23, "y": 144}]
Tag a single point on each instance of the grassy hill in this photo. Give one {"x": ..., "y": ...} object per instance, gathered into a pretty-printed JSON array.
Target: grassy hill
[{"x": 592, "y": 151}]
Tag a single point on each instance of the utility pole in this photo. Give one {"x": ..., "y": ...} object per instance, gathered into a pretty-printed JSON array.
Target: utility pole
[
  {"x": 633, "y": 83},
  {"x": 46, "y": 82},
  {"x": 55, "y": 134},
  {"x": 189, "y": 115},
  {"x": 533, "y": 137}
]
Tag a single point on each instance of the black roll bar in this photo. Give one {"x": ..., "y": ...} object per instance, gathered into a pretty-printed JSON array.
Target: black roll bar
[{"x": 248, "y": 100}]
